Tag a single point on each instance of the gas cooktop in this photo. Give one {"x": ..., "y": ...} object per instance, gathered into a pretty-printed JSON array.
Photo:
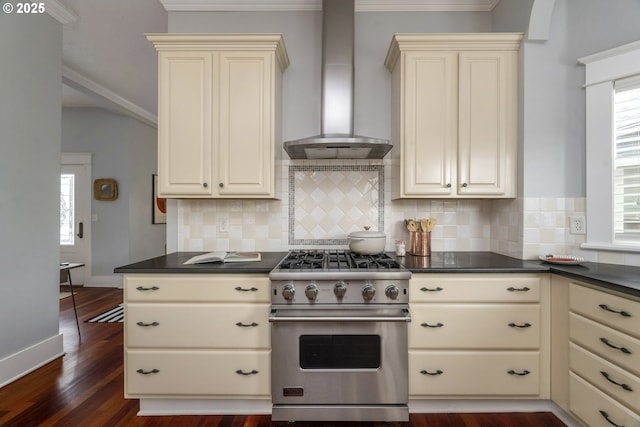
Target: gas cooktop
[{"x": 334, "y": 264}]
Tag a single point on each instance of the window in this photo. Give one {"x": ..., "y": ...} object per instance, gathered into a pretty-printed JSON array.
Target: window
[
  {"x": 612, "y": 82},
  {"x": 626, "y": 121},
  {"x": 67, "y": 209}
]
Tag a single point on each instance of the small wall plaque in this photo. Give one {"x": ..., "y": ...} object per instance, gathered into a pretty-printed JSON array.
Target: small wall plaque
[{"x": 105, "y": 189}]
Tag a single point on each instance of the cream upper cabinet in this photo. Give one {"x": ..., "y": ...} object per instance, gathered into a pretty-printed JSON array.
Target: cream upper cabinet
[
  {"x": 454, "y": 114},
  {"x": 219, "y": 114}
]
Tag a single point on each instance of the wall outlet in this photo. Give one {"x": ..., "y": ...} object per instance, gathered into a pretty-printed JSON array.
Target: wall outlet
[
  {"x": 577, "y": 224},
  {"x": 223, "y": 224}
]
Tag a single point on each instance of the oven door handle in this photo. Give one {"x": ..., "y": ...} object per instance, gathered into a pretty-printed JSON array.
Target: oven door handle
[{"x": 405, "y": 317}]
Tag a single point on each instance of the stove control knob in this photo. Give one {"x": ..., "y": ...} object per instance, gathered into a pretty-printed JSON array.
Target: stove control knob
[
  {"x": 368, "y": 292},
  {"x": 288, "y": 292},
  {"x": 339, "y": 290},
  {"x": 311, "y": 292},
  {"x": 392, "y": 291}
]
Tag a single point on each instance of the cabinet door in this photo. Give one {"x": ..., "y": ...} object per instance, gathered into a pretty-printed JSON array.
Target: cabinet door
[
  {"x": 245, "y": 155},
  {"x": 184, "y": 124},
  {"x": 430, "y": 123},
  {"x": 487, "y": 123}
]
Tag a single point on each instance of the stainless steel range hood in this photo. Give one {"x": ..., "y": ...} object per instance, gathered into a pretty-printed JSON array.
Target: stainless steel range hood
[{"x": 337, "y": 140}]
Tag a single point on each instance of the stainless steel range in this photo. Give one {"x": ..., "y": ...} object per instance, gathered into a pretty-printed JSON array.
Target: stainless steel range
[{"x": 339, "y": 337}]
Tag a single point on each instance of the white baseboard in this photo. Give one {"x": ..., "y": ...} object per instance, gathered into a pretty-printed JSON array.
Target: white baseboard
[
  {"x": 203, "y": 407},
  {"x": 31, "y": 358},
  {"x": 150, "y": 407},
  {"x": 104, "y": 281}
]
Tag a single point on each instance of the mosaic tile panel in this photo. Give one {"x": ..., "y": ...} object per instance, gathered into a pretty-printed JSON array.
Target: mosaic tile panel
[{"x": 327, "y": 202}]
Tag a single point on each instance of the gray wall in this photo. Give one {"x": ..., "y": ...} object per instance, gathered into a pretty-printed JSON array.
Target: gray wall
[
  {"x": 30, "y": 76},
  {"x": 554, "y": 103},
  {"x": 126, "y": 150}
]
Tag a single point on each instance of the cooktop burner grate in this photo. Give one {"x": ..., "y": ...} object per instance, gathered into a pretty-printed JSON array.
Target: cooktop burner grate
[{"x": 315, "y": 259}]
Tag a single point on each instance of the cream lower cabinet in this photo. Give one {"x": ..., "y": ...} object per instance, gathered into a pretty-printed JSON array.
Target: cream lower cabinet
[
  {"x": 454, "y": 114},
  {"x": 219, "y": 114},
  {"x": 205, "y": 336},
  {"x": 604, "y": 357},
  {"x": 479, "y": 335}
]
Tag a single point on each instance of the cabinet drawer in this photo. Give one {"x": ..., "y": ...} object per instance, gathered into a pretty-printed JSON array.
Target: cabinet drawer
[
  {"x": 222, "y": 374},
  {"x": 197, "y": 325},
  {"x": 616, "y": 347},
  {"x": 617, "y": 312},
  {"x": 435, "y": 373},
  {"x": 506, "y": 288},
  {"x": 614, "y": 381},
  {"x": 595, "y": 408},
  {"x": 475, "y": 326},
  {"x": 196, "y": 288}
]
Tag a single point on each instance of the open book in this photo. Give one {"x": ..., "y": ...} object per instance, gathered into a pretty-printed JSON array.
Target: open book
[{"x": 222, "y": 256}]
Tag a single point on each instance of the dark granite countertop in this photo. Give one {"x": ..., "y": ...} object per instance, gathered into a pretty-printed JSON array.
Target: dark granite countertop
[
  {"x": 174, "y": 263},
  {"x": 611, "y": 276},
  {"x": 469, "y": 262},
  {"x": 621, "y": 278}
]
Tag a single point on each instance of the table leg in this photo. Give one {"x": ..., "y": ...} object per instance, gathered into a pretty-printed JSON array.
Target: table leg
[{"x": 73, "y": 298}]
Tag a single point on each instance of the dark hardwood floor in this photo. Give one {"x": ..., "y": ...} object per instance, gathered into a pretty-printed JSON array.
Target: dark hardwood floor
[{"x": 85, "y": 387}]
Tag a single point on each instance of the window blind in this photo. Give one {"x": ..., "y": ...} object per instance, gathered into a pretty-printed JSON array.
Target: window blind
[{"x": 627, "y": 159}]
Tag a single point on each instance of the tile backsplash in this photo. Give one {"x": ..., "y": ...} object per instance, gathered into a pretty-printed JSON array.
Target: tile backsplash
[
  {"x": 327, "y": 202},
  {"x": 324, "y": 200}
]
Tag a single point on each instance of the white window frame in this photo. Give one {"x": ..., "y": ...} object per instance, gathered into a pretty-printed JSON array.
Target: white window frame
[{"x": 601, "y": 71}]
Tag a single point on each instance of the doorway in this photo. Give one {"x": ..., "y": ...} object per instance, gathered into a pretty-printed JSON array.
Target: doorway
[{"x": 75, "y": 213}]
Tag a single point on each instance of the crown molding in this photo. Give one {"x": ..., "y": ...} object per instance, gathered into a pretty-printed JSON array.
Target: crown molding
[
  {"x": 82, "y": 83},
  {"x": 314, "y": 5},
  {"x": 425, "y": 5},
  {"x": 59, "y": 12}
]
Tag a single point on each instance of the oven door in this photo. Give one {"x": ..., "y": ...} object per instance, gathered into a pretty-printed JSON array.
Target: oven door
[{"x": 339, "y": 356}]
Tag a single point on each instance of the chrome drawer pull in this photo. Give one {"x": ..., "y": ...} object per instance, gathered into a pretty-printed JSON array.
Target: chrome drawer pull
[
  {"x": 606, "y": 417},
  {"x": 142, "y": 289},
  {"x": 622, "y": 313},
  {"x": 437, "y": 325},
  {"x": 143, "y": 372},
  {"x": 239, "y": 289},
  {"x": 148, "y": 324},
  {"x": 246, "y": 325},
  {"x": 438, "y": 372},
  {"x": 521, "y": 374},
  {"x": 621, "y": 385},
  {"x": 515, "y": 325},
  {"x": 438, "y": 289},
  {"x": 622, "y": 349},
  {"x": 523, "y": 289},
  {"x": 241, "y": 372}
]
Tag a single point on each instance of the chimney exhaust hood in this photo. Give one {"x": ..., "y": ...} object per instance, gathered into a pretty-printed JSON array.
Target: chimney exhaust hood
[{"x": 337, "y": 140}]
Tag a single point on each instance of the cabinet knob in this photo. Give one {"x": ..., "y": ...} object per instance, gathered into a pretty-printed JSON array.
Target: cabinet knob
[
  {"x": 205, "y": 185},
  {"x": 464, "y": 184},
  {"x": 448, "y": 185}
]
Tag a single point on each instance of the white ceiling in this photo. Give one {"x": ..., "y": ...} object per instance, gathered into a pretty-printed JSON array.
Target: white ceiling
[{"x": 108, "y": 62}]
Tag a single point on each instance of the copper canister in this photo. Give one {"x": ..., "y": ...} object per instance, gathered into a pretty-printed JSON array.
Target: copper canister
[{"x": 420, "y": 243}]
